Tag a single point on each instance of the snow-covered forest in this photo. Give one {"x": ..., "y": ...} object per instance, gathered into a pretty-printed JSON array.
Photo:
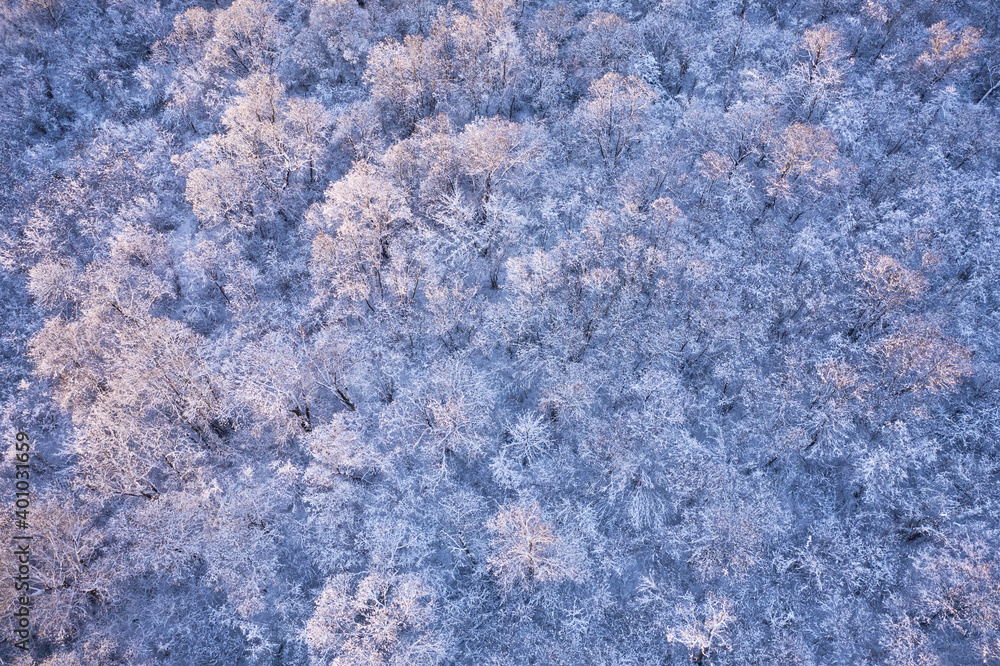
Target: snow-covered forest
[{"x": 410, "y": 332}]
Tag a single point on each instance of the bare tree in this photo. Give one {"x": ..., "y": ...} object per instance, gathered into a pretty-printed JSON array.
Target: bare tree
[
  {"x": 704, "y": 627},
  {"x": 384, "y": 619},
  {"x": 614, "y": 115},
  {"x": 526, "y": 549}
]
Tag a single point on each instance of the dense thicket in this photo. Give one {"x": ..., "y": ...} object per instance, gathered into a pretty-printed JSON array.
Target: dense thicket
[{"x": 504, "y": 331}]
